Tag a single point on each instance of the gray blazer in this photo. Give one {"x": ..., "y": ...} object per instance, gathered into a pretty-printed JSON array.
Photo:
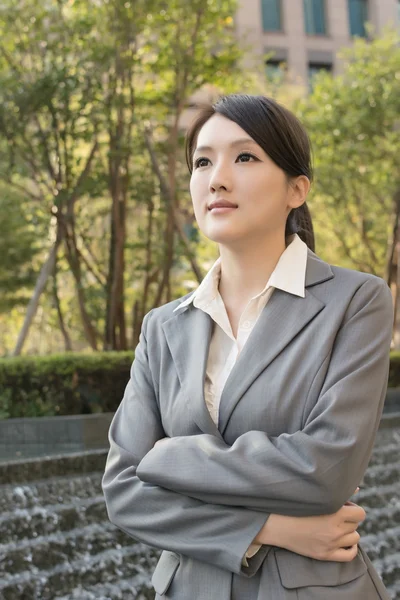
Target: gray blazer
[{"x": 298, "y": 418}]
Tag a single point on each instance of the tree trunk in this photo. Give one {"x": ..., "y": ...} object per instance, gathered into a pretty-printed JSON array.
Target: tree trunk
[
  {"x": 115, "y": 335},
  {"x": 63, "y": 329},
  {"x": 117, "y": 287},
  {"x": 396, "y": 323},
  {"x": 390, "y": 271},
  {"x": 181, "y": 80},
  {"x": 147, "y": 281},
  {"x": 119, "y": 154},
  {"x": 392, "y": 274},
  {"x": 72, "y": 256},
  {"x": 168, "y": 260},
  {"x": 44, "y": 274},
  {"x": 137, "y": 324},
  {"x": 109, "y": 337},
  {"x": 167, "y": 195}
]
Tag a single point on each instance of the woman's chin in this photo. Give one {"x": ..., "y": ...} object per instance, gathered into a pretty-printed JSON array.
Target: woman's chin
[{"x": 225, "y": 237}]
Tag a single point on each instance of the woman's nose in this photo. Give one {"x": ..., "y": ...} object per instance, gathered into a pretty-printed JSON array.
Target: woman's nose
[{"x": 220, "y": 179}]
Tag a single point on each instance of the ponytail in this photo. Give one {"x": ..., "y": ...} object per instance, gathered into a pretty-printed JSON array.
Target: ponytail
[{"x": 299, "y": 221}]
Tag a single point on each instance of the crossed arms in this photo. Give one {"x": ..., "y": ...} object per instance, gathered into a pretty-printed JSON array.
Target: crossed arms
[{"x": 198, "y": 496}]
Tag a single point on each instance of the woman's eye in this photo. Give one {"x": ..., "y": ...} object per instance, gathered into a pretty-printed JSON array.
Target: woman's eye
[
  {"x": 246, "y": 156},
  {"x": 243, "y": 157},
  {"x": 200, "y": 162}
]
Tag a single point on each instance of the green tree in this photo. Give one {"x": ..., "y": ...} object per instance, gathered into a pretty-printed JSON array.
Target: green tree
[
  {"x": 47, "y": 115},
  {"x": 188, "y": 46},
  {"x": 91, "y": 102},
  {"x": 353, "y": 120},
  {"x": 19, "y": 247}
]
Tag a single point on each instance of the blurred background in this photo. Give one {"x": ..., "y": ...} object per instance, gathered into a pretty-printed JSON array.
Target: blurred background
[
  {"x": 97, "y": 228},
  {"x": 96, "y": 224}
]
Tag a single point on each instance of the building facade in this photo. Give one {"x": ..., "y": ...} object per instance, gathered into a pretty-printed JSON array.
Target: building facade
[
  {"x": 303, "y": 35},
  {"x": 306, "y": 34}
]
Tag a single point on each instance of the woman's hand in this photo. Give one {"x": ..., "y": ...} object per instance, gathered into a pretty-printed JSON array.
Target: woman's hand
[{"x": 324, "y": 537}]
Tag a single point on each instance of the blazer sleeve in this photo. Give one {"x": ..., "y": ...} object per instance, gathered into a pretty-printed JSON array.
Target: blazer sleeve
[
  {"x": 312, "y": 471},
  {"x": 162, "y": 518}
]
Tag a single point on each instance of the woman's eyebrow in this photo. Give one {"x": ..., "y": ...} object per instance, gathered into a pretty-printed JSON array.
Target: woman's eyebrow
[{"x": 238, "y": 142}]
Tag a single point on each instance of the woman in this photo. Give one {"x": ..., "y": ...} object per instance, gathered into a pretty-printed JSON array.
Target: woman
[{"x": 253, "y": 403}]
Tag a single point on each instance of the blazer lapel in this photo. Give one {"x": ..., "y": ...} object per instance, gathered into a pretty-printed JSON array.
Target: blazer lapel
[
  {"x": 284, "y": 316},
  {"x": 281, "y": 320},
  {"x": 188, "y": 335}
]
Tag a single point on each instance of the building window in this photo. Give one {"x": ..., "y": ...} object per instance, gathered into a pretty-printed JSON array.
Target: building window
[
  {"x": 314, "y": 17},
  {"x": 358, "y": 16},
  {"x": 271, "y": 15},
  {"x": 275, "y": 70},
  {"x": 314, "y": 69}
]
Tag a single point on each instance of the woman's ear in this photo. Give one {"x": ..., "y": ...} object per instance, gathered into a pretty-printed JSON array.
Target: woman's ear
[{"x": 298, "y": 190}]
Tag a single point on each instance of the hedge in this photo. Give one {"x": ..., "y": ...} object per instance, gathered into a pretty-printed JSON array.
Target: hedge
[
  {"x": 63, "y": 384},
  {"x": 73, "y": 383},
  {"x": 394, "y": 371}
]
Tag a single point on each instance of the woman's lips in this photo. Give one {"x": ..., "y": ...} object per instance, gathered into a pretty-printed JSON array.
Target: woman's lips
[{"x": 220, "y": 210}]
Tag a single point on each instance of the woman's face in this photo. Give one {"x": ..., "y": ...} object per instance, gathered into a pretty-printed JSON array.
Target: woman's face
[{"x": 230, "y": 168}]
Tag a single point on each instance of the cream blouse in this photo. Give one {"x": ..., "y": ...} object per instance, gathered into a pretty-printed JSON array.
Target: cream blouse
[{"x": 288, "y": 275}]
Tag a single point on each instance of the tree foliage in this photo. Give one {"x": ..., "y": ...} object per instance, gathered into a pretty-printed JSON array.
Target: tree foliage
[
  {"x": 354, "y": 123},
  {"x": 91, "y": 102},
  {"x": 19, "y": 247},
  {"x": 94, "y": 100}
]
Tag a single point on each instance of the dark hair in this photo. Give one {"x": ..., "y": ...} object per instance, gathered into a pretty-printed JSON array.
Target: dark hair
[{"x": 279, "y": 133}]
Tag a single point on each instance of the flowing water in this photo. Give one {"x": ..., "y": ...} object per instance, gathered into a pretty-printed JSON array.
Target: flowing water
[{"x": 57, "y": 543}]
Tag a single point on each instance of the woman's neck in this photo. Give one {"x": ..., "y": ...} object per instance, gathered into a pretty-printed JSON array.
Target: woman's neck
[{"x": 245, "y": 271}]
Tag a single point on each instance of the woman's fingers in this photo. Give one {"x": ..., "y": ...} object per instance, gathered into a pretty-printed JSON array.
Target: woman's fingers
[
  {"x": 352, "y": 513},
  {"x": 347, "y": 527},
  {"x": 344, "y": 554},
  {"x": 349, "y": 540}
]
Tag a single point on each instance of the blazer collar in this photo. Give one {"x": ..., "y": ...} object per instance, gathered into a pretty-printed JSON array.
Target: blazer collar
[
  {"x": 317, "y": 270},
  {"x": 188, "y": 334},
  {"x": 288, "y": 275}
]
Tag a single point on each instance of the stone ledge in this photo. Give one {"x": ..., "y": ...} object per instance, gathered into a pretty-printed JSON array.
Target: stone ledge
[
  {"x": 390, "y": 420},
  {"x": 45, "y": 467},
  {"x": 90, "y": 461},
  {"x": 25, "y": 438}
]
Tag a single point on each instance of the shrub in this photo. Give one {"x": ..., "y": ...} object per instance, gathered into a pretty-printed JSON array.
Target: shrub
[
  {"x": 394, "y": 372},
  {"x": 63, "y": 384},
  {"x": 73, "y": 383}
]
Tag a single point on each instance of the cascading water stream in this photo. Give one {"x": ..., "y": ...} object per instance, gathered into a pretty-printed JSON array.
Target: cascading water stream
[{"x": 57, "y": 542}]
